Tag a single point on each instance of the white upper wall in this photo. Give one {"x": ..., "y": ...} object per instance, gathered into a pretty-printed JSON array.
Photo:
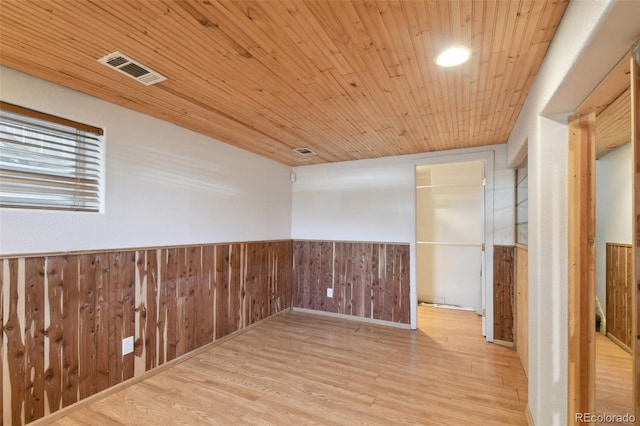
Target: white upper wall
[
  {"x": 614, "y": 214},
  {"x": 165, "y": 185},
  {"x": 371, "y": 200}
]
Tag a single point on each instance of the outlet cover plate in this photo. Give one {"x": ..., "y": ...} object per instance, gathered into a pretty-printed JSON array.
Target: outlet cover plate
[
  {"x": 329, "y": 292},
  {"x": 127, "y": 345}
]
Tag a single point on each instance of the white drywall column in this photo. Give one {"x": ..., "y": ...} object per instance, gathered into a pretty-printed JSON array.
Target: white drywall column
[{"x": 548, "y": 289}]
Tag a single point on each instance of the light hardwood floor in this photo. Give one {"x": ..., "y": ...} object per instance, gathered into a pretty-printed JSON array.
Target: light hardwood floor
[
  {"x": 613, "y": 378},
  {"x": 298, "y": 368}
]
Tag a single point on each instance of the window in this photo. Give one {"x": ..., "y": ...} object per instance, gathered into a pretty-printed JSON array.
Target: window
[
  {"x": 48, "y": 162},
  {"x": 522, "y": 205}
]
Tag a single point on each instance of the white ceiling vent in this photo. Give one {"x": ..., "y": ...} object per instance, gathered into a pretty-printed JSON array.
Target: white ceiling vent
[
  {"x": 131, "y": 68},
  {"x": 304, "y": 152}
]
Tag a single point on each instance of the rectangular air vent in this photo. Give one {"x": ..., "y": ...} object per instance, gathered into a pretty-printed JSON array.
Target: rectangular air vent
[
  {"x": 305, "y": 152},
  {"x": 132, "y": 68}
]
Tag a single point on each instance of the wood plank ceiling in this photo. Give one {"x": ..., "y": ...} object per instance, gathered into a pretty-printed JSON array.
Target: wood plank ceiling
[
  {"x": 611, "y": 102},
  {"x": 350, "y": 80},
  {"x": 613, "y": 125}
]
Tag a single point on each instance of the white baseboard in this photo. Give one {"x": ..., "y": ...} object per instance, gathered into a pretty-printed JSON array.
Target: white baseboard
[{"x": 353, "y": 318}]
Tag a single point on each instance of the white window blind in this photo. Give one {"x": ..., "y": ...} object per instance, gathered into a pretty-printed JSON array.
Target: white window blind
[{"x": 48, "y": 162}]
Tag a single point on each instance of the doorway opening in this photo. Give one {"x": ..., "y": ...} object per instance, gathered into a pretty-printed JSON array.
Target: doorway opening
[
  {"x": 613, "y": 264},
  {"x": 601, "y": 270},
  {"x": 451, "y": 236}
]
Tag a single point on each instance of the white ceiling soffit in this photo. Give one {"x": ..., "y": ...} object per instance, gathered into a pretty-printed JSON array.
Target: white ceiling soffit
[{"x": 608, "y": 44}]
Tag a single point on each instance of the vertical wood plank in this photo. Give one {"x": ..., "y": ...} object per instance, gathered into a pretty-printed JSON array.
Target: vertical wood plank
[
  {"x": 53, "y": 374},
  {"x": 503, "y": 292},
  {"x": 249, "y": 284},
  {"x": 619, "y": 291},
  {"x": 236, "y": 253},
  {"x": 222, "y": 290},
  {"x": 581, "y": 285},
  {"x": 194, "y": 283},
  {"x": 151, "y": 319},
  {"x": 34, "y": 338},
  {"x": 15, "y": 346},
  {"x": 635, "y": 301},
  {"x": 182, "y": 294},
  {"x": 70, "y": 344},
  {"x": 242, "y": 293},
  {"x": 185, "y": 322},
  {"x": 315, "y": 287},
  {"x": 140, "y": 343},
  {"x": 207, "y": 294},
  {"x": 305, "y": 274},
  {"x": 129, "y": 309},
  {"x": 393, "y": 289},
  {"x": 216, "y": 286},
  {"x": 380, "y": 252},
  {"x": 374, "y": 280},
  {"x": 629, "y": 297},
  {"x": 273, "y": 294},
  {"x": 228, "y": 291},
  {"x": 296, "y": 274},
  {"x": 522, "y": 305},
  {"x": 2, "y": 356},
  {"x": 190, "y": 305},
  {"x": 326, "y": 276},
  {"x": 284, "y": 272},
  {"x": 163, "y": 305},
  {"x": 359, "y": 264},
  {"x": 340, "y": 292},
  {"x": 253, "y": 282},
  {"x": 199, "y": 300},
  {"x": 396, "y": 288},
  {"x": 116, "y": 283},
  {"x": 367, "y": 277},
  {"x": 172, "y": 305},
  {"x": 86, "y": 325},
  {"x": 102, "y": 265},
  {"x": 262, "y": 293},
  {"x": 387, "y": 310},
  {"x": 406, "y": 285}
]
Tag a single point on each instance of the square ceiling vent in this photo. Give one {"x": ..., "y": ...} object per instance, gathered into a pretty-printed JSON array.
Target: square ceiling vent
[
  {"x": 132, "y": 68},
  {"x": 304, "y": 152}
]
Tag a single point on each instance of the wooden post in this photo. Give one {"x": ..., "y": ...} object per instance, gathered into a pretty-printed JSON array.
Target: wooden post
[
  {"x": 581, "y": 372},
  {"x": 635, "y": 138}
]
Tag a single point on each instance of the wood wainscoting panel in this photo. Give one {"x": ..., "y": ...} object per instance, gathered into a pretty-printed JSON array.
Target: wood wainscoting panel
[
  {"x": 64, "y": 316},
  {"x": 522, "y": 305},
  {"x": 619, "y": 285},
  {"x": 503, "y": 292},
  {"x": 2, "y": 355},
  {"x": 369, "y": 280}
]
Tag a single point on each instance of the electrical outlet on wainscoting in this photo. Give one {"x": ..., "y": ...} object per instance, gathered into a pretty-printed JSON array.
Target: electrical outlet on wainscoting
[
  {"x": 329, "y": 292},
  {"x": 127, "y": 345}
]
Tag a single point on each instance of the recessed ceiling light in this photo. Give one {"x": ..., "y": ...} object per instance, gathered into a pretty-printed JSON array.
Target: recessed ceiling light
[{"x": 453, "y": 56}]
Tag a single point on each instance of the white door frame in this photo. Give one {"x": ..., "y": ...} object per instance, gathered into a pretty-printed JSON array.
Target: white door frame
[{"x": 488, "y": 157}]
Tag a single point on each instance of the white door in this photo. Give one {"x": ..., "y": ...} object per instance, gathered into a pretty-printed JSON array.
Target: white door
[{"x": 450, "y": 235}]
